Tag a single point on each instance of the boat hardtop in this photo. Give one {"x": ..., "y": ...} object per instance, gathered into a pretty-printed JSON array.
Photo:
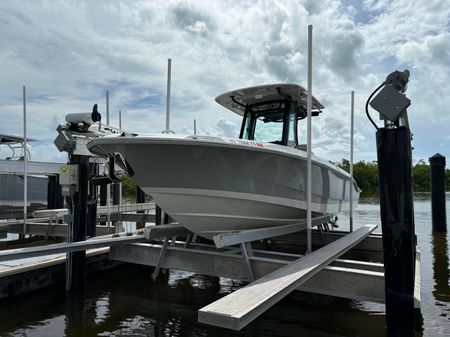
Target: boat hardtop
[{"x": 237, "y": 100}]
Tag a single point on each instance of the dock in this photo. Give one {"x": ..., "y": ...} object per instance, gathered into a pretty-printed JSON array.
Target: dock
[{"x": 22, "y": 276}]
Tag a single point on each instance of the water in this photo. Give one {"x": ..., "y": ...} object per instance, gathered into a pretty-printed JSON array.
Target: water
[{"x": 127, "y": 302}]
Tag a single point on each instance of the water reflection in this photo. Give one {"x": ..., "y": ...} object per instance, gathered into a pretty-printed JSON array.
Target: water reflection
[
  {"x": 128, "y": 302},
  {"x": 440, "y": 267}
]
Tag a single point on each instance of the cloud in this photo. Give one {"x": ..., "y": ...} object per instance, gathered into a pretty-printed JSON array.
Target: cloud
[
  {"x": 227, "y": 128},
  {"x": 45, "y": 151},
  {"x": 343, "y": 54},
  {"x": 69, "y": 53},
  {"x": 432, "y": 51}
]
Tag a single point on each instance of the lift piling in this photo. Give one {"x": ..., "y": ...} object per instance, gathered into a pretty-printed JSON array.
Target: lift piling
[{"x": 438, "y": 207}]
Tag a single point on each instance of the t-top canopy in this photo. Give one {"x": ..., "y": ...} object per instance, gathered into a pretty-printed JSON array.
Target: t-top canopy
[
  {"x": 9, "y": 139},
  {"x": 237, "y": 100}
]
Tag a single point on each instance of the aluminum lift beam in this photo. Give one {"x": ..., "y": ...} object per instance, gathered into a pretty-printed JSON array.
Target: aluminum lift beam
[
  {"x": 66, "y": 247},
  {"x": 162, "y": 231},
  {"x": 241, "y": 307},
  {"x": 152, "y": 232},
  {"x": 47, "y": 229},
  {"x": 101, "y": 210},
  {"x": 230, "y": 239}
]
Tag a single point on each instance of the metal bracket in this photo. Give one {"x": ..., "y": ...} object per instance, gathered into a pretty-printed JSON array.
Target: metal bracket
[
  {"x": 188, "y": 240},
  {"x": 322, "y": 228},
  {"x": 161, "y": 257},
  {"x": 247, "y": 251},
  {"x": 54, "y": 218}
]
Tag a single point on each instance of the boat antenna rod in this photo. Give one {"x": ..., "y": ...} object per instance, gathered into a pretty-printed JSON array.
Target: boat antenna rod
[
  {"x": 309, "y": 170},
  {"x": 25, "y": 162},
  {"x": 169, "y": 75},
  {"x": 352, "y": 132}
]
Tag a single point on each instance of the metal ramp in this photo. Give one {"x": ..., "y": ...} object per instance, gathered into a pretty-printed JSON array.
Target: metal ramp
[{"x": 241, "y": 307}]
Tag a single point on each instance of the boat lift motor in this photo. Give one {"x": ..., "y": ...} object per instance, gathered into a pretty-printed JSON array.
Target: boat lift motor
[
  {"x": 82, "y": 121},
  {"x": 391, "y": 101}
]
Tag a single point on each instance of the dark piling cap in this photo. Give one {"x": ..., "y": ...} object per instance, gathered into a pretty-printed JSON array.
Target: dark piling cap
[{"x": 437, "y": 159}]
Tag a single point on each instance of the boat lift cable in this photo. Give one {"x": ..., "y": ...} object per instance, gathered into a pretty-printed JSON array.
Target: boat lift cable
[{"x": 367, "y": 104}]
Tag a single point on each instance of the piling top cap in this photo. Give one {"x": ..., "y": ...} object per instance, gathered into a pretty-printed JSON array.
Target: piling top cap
[{"x": 437, "y": 159}]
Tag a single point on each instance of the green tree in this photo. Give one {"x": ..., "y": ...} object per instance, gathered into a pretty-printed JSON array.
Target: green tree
[
  {"x": 447, "y": 175},
  {"x": 365, "y": 175},
  {"x": 128, "y": 187},
  {"x": 421, "y": 177}
]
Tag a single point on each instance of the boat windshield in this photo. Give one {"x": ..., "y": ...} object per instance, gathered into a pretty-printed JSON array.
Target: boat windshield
[{"x": 266, "y": 122}]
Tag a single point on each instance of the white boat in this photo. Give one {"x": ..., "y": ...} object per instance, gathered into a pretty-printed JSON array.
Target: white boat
[
  {"x": 213, "y": 185},
  {"x": 12, "y": 178}
]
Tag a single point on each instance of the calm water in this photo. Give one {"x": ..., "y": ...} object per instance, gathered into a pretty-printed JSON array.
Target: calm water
[{"x": 127, "y": 302}]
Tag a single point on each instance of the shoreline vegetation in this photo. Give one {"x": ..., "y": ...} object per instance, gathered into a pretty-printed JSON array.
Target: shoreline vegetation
[{"x": 365, "y": 174}]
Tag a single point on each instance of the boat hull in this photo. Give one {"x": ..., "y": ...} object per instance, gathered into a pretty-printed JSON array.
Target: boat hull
[{"x": 213, "y": 186}]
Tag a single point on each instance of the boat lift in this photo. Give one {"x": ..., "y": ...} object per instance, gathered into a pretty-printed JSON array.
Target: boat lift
[{"x": 272, "y": 275}]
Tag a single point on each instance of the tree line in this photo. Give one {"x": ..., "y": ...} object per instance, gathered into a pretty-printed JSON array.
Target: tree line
[{"x": 366, "y": 176}]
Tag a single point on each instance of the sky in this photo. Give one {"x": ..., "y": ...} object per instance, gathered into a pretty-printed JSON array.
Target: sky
[{"x": 69, "y": 53}]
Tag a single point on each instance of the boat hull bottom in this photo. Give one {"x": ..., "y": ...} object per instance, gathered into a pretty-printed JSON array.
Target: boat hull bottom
[{"x": 219, "y": 212}]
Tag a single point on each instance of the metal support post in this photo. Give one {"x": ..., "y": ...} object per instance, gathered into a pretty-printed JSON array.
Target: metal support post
[
  {"x": 161, "y": 257},
  {"x": 438, "y": 207},
  {"x": 103, "y": 199},
  {"x": 108, "y": 186},
  {"x": 92, "y": 203},
  {"x": 52, "y": 186},
  {"x": 58, "y": 194},
  {"x": 116, "y": 201},
  {"x": 352, "y": 128},
  {"x": 158, "y": 217},
  {"x": 25, "y": 162},
  {"x": 308, "y": 166},
  {"x": 140, "y": 198},
  {"x": 247, "y": 251}
]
